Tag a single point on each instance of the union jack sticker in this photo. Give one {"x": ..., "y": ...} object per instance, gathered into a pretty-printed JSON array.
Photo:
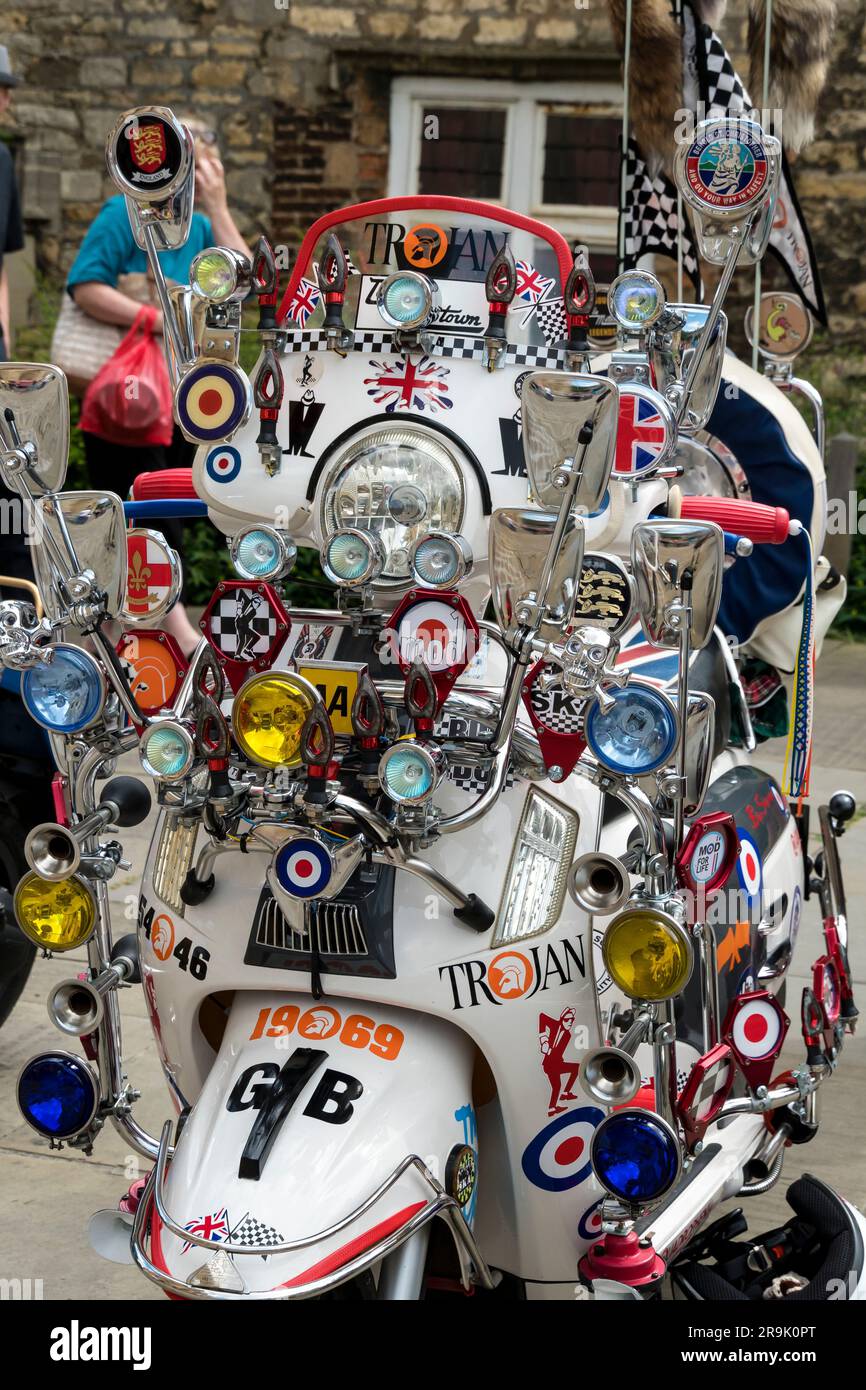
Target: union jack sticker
[
  {"x": 646, "y": 432},
  {"x": 407, "y": 385},
  {"x": 304, "y": 302}
]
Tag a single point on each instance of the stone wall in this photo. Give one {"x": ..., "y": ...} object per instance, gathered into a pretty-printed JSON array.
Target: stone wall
[{"x": 307, "y": 86}]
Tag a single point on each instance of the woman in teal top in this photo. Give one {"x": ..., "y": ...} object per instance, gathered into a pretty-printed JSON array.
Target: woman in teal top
[{"x": 109, "y": 252}]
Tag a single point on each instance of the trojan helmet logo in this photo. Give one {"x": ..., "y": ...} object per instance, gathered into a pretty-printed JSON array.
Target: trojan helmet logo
[
  {"x": 425, "y": 246},
  {"x": 147, "y": 147}
]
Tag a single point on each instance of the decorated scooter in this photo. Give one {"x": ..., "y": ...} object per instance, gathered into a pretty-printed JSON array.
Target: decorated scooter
[{"x": 462, "y": 936}]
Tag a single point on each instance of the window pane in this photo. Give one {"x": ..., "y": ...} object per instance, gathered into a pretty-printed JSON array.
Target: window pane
[
  {"x": 465, "y": 158},
  {"x": 581, "y": 160}
]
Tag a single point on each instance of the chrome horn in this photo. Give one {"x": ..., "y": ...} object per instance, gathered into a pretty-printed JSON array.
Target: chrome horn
[
  {"x": 76, "y": 1006},
  {"x": 610, "y": 1075},
  {"x": 598, "y": 883},
  {"x": 53, "y": 851}
]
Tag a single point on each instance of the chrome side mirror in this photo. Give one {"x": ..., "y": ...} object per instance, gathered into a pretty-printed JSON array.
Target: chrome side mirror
[
  {"x": 673, "y": 343},
  {"x": 677, "y": 563},
  {"x": 80, "y": 552},
  {"x": 519, "y": 545},
  {"x": 34, "y": 426},
  {"x": 556, "y": 407},
  {"x": 151, "y": 160}
]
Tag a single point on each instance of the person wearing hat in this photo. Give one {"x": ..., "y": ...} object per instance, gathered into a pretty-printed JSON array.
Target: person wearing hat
[{"x": 11, "y": 235}]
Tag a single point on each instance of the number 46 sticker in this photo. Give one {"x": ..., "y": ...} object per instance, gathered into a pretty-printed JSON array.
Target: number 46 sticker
[{"x": 159, "y": 931}]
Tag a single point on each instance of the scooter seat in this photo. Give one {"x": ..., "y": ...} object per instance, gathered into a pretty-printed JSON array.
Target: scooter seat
[{"x": 823, "y": 1242}]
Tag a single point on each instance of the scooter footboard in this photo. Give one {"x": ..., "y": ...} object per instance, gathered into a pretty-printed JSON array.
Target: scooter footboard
[{"x": 324, "y": 1136}]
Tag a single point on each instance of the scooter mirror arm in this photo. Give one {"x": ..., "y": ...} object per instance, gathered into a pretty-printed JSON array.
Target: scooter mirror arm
[
  {"x": 679, "y": 393},
  {"x": 805, "y": 388},
  {"x": 656, "y": 867},
  {"x": 775, "y": 1099},
  {"x": 169, "y": 322}
]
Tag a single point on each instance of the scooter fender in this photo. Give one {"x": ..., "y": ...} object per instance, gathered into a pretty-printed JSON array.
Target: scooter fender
[{"x": 363, "y": 1088}]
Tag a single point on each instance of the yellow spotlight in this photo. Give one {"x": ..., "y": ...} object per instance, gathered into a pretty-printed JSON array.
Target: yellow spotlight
[
  {"x": 268, "y": 715},
  {"x": 55, "y": 916},
  {"x": 647, "y": 953}
]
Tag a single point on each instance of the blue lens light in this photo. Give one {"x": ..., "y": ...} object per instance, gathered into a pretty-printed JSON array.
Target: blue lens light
[
  {"x": 406, "y": 300},
  {"x": 635, "y": 1156},
  {"x": 258, "y": 555},
  {"x": 57, "y": 1094},
  {"x": 436, "y": 561},
  {"x": 351, "y": 557},
  {"x": 166, "y": 751},
  {"x": 407, "y": 773},
  {"x": 67, "y": 694},
  {"x": 637, "y": 734}
]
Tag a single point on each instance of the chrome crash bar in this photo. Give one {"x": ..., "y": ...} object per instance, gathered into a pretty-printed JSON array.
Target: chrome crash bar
[{"x": 440, "y": 1204}]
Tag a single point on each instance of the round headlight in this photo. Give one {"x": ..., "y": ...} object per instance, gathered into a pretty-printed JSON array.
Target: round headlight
[
  {"x": 636, "y": 1156},
  {"x": 406, "y": 300},
  {"x": 440, "y": 561},
  {"x": 352, "y": 558},
  {"x": 166, "y": 750},
  {"x": 647, "y": 954},
  {"x": 260, "y": 552},
  {"x": 220, "y": 275},
  {"x": 408, "y": 772},
  {"x": 67, "y": 694},
  {"x": 57, "y": 1094},
  {"x": 268, "y": 715},
  {"x": 636, "y": 299},
  {"x": 397, "y": 483},
  {"x": 55, "y": 916},
  {"x": 637, "y": 734}
]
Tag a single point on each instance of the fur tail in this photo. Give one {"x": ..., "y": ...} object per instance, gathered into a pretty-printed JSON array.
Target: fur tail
[{"x": 801, "y": 37}]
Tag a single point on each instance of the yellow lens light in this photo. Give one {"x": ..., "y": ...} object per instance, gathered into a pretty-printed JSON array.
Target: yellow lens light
[
  {"x": 55, "y": 916},
  {"x": 214, "y": 276},
  {"x": 648, "y": 954},
  {"x": 268, "y": 715}
]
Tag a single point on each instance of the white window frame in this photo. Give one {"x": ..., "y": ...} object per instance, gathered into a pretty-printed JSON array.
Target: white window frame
[{"x": 525, "y": 106}]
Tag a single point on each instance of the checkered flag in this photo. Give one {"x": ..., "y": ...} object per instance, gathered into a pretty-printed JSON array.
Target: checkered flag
[
  {"x": 650, "y": 219},
  {"x": 551, "y": 318},
  {"x": 723, "y": 94},
  {"x": 254, "y": 1233}
]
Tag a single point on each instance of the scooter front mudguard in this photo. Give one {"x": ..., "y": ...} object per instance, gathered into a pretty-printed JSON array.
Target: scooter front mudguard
[{"x": 308, "y": 1111}]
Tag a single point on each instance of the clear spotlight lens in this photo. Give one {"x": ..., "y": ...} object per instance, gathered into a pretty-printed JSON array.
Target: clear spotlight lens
[
  {"x": 166, "y": 751},
  {"x": 407, "y": 772},
  {"x": 636, "y": 1156},
  {"x": 55, "y": 916},
  {"x": 57, "y": 1094},
  {"x": 352, "y": 557},
  {"x": 637, "y": 734},
  {"x": 213, "y": 276},
  {"x": 262, "y": 554},
  {"x": 440, "y": 560},
  {"x": 67, "y": 694},
  {"x": 636, "y": 299},
  {"x": 405, "y": 301},
  {"x": 647, "y": 954}
]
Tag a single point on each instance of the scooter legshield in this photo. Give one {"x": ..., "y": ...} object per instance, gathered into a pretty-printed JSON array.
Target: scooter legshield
[{"x": 308, "y": 1109}]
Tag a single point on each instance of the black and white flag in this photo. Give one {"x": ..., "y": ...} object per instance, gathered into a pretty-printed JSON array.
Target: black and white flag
[
  {"x": 650, "y": 220},
  {"x": 708, "y": 68}
]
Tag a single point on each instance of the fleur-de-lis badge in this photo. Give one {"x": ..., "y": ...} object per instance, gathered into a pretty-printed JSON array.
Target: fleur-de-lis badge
[{"x": 138, "y": 574}]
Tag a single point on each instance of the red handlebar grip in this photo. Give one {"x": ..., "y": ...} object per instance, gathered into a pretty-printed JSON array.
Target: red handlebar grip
[
  {"x": 173, "y": 483},
  {"x": 760, "y": 523}
]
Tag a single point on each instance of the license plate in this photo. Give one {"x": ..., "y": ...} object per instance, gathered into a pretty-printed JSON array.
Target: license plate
[{"x": 337, "y": 683}]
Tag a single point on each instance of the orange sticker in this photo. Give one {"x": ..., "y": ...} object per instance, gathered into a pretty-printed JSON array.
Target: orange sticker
[
  {"x": 510, "y": 975},
  {"x": 322, "y": 1021},
  {"x": 156, "y": 666},
  {"x": 425, "y": 245},
  {"x": 162, "y": 936}
]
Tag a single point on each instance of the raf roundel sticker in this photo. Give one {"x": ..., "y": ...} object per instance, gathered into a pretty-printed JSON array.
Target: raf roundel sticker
[
  {"x": 749, "y": 870},
  {"x": 303, "y": 868},
  {"x": 558, "y": 1158},
  {"x": 756, "y": 1030},
  {"x": 725, "y": 173},
  {"x": 223, "y": 464},
  {"x": 589, "y": 1225},
  {"x": 433, "y": 632},
  {"x": 212, "y": 401}
]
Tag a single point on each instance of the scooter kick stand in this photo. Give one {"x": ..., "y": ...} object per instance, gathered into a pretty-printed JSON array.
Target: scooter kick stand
[{"x": 626, "y": 1258}]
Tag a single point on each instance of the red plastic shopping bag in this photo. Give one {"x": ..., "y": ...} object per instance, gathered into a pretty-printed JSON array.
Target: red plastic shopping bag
[{"x": 129, "y": 400}]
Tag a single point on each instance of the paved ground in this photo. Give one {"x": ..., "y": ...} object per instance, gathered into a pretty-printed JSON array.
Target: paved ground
[{"x": 47, "y": 1198}]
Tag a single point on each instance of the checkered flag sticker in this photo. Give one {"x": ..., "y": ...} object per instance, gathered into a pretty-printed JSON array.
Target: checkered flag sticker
[
  {"x": 242, "y": 628},
  {"x": 650, "y": 218},
  {"x": 551, "y": 318},
  {"x": 254, "y": 1234}
]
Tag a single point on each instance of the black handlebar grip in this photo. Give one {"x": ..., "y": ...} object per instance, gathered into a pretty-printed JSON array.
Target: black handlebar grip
[
  {"x": 476, "y": 914},
  {"x": 131, "y": 797},
  {"x": 127, "y": 947}
]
